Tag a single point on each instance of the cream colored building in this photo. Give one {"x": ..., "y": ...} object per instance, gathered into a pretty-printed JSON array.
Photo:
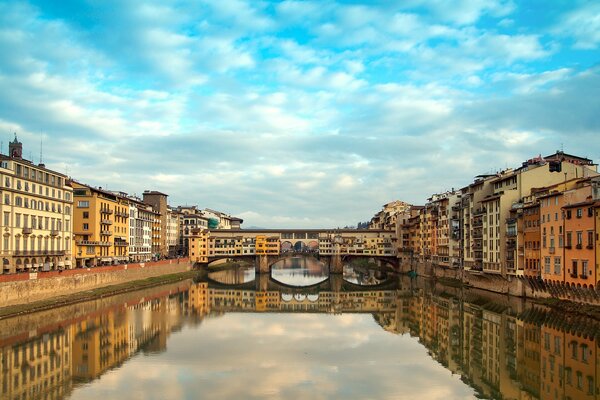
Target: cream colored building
[
  {"x": 35, "y": 208},
  {"x": 141, "y": 219},
  {"x": 510, "y": 187},
  {"x": 173, "y": 231}
]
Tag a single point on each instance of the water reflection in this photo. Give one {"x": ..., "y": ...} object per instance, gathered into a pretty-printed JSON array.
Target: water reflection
[
  {"x": 364, "y": 276},
  {"x": 234, "y": 276},
  {"x": 205, "y": 340},
  {"x": 300, "y": 271}
]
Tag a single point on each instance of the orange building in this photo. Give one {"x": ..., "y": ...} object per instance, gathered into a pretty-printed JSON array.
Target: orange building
[
  {"x": 551, "y": 230},
  {"x": 532, "y": 239},
  {"x": 580, "y": 241}
]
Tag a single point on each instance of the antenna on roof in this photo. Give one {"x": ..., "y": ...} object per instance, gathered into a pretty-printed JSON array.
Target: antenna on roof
[{"x": 41, "y": 148}]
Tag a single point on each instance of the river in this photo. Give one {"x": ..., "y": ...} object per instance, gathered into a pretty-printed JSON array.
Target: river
[{"x": 300, "y": 334}]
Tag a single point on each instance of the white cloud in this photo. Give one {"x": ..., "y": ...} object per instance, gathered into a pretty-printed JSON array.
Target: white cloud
[{"x": 583, "y": 25}]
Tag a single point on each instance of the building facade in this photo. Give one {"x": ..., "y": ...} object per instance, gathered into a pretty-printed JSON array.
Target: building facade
[
  {"x": 100, "y": 226},
  {"x": 35, "y": 208}
]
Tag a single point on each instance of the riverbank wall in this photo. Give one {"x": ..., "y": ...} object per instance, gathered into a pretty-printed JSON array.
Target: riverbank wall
[
  {"x": 26, "y": 288},
  {"x": 510, "y": 285}
]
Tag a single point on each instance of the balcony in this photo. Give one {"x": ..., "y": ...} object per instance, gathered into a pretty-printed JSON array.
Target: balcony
[
  {"x": 582, "y": 276},
  {"x": 106, "y": 222},
  {"x": 568, "y": 246},
  {"x": 589, "y": 246},
  {"x": 579, "y": 246},
  {"x": 27, "y": 231},
  {"x": 551, "y": 250},
  {"x": 106, "y": 211},
  {"x": 106, "y": 233},
  {"x": 121, "y": 244},
  {"x": 54, "y": 232},
  {"x": 122, "y": 214},
  {"x": 91, "y": 243}
]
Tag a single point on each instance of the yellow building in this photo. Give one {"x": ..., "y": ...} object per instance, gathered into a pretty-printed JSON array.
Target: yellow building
[
  {"x": 100, "y": 226},
  {"x": 198, "y": 250},
  {"x": 267, "y": 245},
  {"x": 35, "y": 208}
]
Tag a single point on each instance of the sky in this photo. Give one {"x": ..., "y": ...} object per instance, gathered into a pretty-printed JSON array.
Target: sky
[{"x": 297, "y": 113}]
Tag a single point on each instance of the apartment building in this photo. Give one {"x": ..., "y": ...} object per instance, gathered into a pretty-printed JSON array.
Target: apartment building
[
  {"x": 141, "y": 220},
  {"x": 158, "y": 201},
  {"x": 35, "y": 207},
  {"x": 100, "y": 226}
]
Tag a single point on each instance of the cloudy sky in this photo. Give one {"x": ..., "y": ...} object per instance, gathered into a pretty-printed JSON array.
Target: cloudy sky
[{"x": 305, "y": 114}]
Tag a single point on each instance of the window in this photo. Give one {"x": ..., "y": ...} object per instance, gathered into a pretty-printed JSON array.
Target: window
[
  {"x": 590, "y": 239},
  {"x": 86, "y": 227},
  {"x": 584, "y": 268},
  {"x": 6, "y": 219},
  {"x": 547, "y": 264},
  {"x": 579, "y": 238},
  {"x": 574, "y": 271},
  {"x": 568, "y": 214},
  {"x": 569, "y": 240},
  {"x": 557, "y": 265},
  {"x": 579, "y": 212},
  {"x": 86, "y": 214},
  {"x": 83, "y": 203},
  {"x": 7, "y": 199}
]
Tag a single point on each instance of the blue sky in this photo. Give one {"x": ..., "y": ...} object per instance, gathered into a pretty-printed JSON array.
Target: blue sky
[{"x": 298, "y": 113}]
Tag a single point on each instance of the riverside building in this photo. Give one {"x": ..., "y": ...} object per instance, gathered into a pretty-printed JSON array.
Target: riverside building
[
  {"x": 100, "y": 226},
  {"x": 35, "y": 208}
]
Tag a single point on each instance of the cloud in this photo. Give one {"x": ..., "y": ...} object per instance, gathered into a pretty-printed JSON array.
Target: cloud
[
  {"x": 583, "y": 25},
  {"x": 296, "y": 113}
]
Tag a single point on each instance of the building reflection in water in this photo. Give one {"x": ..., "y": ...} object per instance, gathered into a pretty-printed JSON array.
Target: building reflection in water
[{"x": 500, "y": 349}]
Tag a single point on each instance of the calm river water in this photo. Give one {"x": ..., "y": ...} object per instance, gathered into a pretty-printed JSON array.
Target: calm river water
[{"x": 300, "y": 334}]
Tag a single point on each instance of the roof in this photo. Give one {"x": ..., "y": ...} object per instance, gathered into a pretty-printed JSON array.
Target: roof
[
  {"x": 31, "y": 164},
  {"x": 580, "y": 204},
  {"x": 562, "y": 154},
  {"x": 325, "y": 230},
  {"x": 100, "y": 190},
  {"x": 155, "y": 192}
]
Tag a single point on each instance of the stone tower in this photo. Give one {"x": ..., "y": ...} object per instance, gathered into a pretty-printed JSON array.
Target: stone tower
[{"x": 15, "y": 148}]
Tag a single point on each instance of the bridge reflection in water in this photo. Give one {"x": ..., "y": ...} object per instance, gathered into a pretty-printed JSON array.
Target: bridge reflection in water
[{"x": 502, "y": 348}]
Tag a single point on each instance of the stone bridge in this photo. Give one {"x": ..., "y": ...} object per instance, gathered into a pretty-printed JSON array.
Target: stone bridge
[
  {"x": 265, "y": 283},
  {"x": 265, "y": 247},
  {"x": 335, "y": 263}
]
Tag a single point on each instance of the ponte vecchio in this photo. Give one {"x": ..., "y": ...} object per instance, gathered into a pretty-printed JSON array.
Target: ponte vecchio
[{"x": 334, "y": 247}]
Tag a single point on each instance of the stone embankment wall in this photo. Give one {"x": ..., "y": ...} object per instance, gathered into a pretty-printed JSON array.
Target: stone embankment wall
[
  {"x": 27, "y": 288},
  {"x": 514, "y": 286}
]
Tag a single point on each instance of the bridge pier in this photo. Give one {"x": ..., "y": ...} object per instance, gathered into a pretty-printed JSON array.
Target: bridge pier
[
  {"x": 336, "y": 281},
  {"x": 262, "y": 264},
  {"x": 336, "y": 266},
  {"x": 262, "y": 282}
]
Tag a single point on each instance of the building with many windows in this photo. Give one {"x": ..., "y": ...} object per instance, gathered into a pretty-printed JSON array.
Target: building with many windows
[
  {"x": 141, "y": 219},
  {"x": 35, "y": 208},
  {"x": 100, "y": 226}
]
